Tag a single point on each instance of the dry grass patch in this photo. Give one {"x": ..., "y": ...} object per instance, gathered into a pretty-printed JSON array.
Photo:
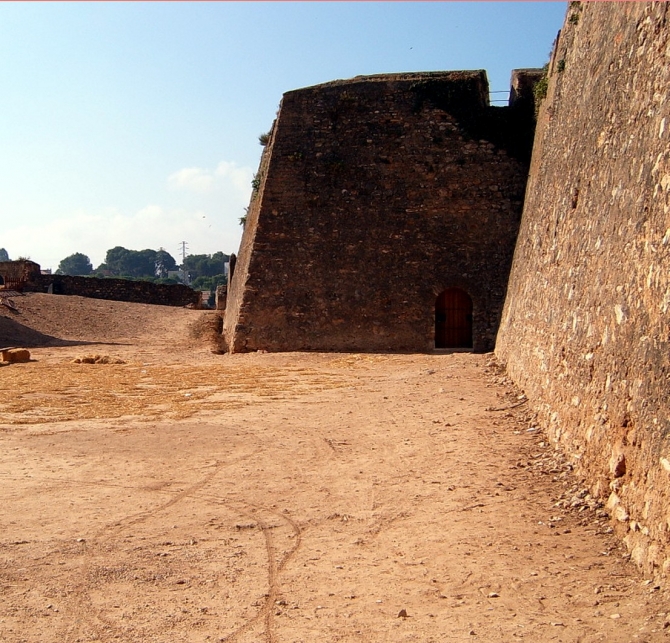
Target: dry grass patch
[{"x": 41, "y": 392}]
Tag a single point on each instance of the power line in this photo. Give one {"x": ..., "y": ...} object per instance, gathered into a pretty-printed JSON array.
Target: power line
[{"x": 183, "y": 246}]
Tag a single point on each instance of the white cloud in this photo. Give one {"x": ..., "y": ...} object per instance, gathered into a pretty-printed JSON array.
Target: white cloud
[
  {"x": 203, "y": 209},
  {"x": 240, "y": 177},
  {"x": 202, "y": 181},
  {"x": 192, "y": 178}
]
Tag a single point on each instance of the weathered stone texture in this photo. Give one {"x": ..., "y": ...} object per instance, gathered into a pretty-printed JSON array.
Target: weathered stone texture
[
  {"x": 375, "y": 194},
  {"x": 26, "y": 275},
  {"x": 221, "y": 297},
  {"x": 585, "y": 329},
  {"x": 15, "y": 274}
]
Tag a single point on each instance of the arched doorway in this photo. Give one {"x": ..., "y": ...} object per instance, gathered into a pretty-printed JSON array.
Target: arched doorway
[{"x": 453, "y": 319}]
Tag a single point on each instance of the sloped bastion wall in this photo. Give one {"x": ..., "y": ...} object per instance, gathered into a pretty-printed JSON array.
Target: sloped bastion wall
[
  {"x": 586, "y": 325},
  {"x": 375, "y": 197}
]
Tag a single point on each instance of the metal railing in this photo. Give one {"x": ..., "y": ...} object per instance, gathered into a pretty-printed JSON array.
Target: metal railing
[{"x": 499, "y": 100}]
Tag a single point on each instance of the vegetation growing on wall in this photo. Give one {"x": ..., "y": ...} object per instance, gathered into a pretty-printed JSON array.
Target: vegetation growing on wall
[
  {"x": 540, "y": 89},
  {"x": 575, "y": 11}
]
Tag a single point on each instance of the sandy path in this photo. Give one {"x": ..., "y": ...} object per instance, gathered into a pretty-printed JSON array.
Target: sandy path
[{"x": 288, "y": 498}]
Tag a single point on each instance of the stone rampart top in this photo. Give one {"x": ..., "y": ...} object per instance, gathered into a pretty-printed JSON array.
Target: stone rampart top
[
  {"x": 468, "y": 88},
  {"x": 522, "y": 83}
]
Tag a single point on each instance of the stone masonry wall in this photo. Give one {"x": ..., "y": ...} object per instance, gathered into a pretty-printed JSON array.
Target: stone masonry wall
[
  {"x": 14, "y": 274},
  {"x": 586, "y": 325},
  {"x": 374, "y": 195},
  {"x": 142, "y": 292}
]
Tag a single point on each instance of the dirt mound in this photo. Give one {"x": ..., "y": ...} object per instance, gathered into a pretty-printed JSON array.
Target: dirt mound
[
  {"x": 208, "y": 327},
  {"x": 71, "y": 318},
  {"x": 15, "y": 333},
  {"x": 50, "y": 321}
]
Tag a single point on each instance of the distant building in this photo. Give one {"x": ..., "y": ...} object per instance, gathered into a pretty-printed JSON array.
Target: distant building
[
  {"x": 179, "y": 275},
  {"x": 14, "y": 275}
]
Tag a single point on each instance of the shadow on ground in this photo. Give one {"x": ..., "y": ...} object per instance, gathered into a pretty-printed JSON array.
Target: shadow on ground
[{"x": 12, "y": 333}]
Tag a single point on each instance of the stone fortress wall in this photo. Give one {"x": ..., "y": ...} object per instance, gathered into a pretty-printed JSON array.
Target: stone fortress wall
[
  {"x": 139, "y": 292},
  {"x": 26, "y": 276},
  {"x": 374, "y": 195},
  {"x": 586, "y": 325}
]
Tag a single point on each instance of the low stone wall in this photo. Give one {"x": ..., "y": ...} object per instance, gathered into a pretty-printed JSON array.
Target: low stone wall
[
  {"x": 585, "y": 326},
  {"x": 141, "y": 292}
]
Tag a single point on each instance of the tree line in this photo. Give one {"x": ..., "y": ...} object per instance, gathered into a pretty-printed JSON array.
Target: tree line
[{"x": 202, "y": 272}]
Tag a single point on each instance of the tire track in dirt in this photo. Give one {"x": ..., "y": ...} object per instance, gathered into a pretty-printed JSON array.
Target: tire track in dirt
[
  {"x": 83, "y": 609},
  {"x": 274, "y": 566},
  {"x": 88, "y": 620}
]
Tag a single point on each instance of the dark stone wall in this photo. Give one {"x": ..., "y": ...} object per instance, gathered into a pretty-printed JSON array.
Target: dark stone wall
[
  {"x": 585, "y": 330},
  {"x": 142, "y": 292},
  {"x": 26, "y": 276},
  {"x": 220, "y": 297},
  {"x": 376, "y": 194},
  {"x": 14, "y": 274}
]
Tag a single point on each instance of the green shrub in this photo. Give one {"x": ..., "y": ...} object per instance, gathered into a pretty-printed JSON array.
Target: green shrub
[{"x": 540, "y": 89}]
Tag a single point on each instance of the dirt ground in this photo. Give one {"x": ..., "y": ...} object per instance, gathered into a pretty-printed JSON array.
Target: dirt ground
[{"x": 286, "y": 498}]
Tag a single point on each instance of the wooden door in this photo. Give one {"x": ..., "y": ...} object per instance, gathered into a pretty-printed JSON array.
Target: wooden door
[{"x": 453, "y": 319}]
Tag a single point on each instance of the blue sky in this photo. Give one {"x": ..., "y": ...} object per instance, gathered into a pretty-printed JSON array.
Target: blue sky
[{"x": 136, "y": 124}]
